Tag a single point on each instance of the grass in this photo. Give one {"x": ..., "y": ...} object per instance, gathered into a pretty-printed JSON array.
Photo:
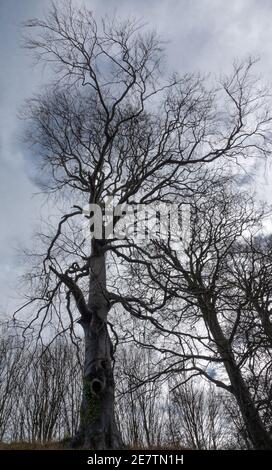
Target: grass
[
  {"x": 32, "y": 446},
  {"x": 62, "y": 446}
]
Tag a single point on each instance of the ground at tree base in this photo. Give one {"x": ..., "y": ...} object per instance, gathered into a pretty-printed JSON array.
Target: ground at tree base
[{"x": 63, "y": 446}]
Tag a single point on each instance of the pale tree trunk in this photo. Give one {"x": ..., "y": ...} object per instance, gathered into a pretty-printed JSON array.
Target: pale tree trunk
[
  {"x": 98, "y": 428},
  {"x": 257, "y": 433}
]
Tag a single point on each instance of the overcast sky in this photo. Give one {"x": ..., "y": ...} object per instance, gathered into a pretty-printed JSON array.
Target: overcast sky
[{"x": 205, "y": 35}]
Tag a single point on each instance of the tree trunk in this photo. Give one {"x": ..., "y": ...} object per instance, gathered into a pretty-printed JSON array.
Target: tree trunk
[
  {"x": 257, "y": 433},
  {"x": 98, "y": 428}
]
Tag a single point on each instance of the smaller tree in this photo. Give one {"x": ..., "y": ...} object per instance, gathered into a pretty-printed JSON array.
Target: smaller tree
[
  {"x": 198, "y": 415},
  {"x": 140, "y": 407},
  {"x": 196, "y": 318}
]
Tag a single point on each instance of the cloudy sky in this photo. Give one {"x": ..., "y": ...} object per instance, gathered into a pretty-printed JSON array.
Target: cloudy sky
[{"x": 205, "y": 35}]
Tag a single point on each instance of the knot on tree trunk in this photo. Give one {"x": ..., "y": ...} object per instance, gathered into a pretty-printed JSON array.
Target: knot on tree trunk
[
  {"x": 97, "y": 386},
  {"x": 98, "y": 378}
]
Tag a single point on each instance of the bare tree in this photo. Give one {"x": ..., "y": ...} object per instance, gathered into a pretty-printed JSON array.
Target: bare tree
[
  {"x": 40, "y": 390},
  {"x": 203, "y": 331},
  {"x": 50, "y": 384},
  {"x": 11, "y": 369},
  {"x": 198, "y": 415},
  {"x": 140, "y": 410},
  {"x": 111, "y": 125}
]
